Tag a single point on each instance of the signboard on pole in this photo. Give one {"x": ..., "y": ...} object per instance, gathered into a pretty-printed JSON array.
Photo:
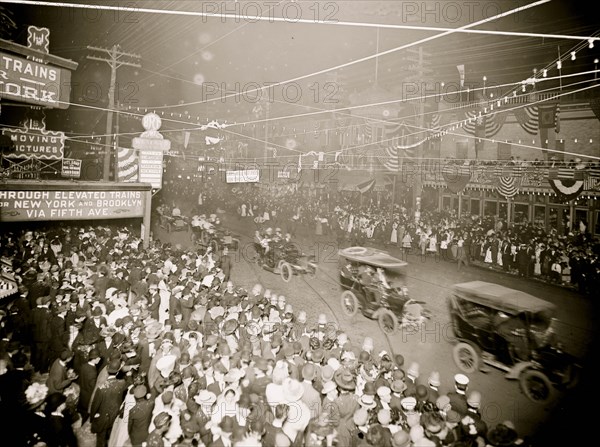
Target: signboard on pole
[
  {"x": 71, "y": 168},
  {"x": 151, "y": 168},
  {"x": 152, "y": 146},
  {"x": 246, "y": 176}
]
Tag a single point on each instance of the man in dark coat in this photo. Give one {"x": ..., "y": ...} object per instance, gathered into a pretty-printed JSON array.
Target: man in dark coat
[
  {"x": 59, "y": 336},
  {"x": 226, "y": 264},
  {"x": 58, "y": 378},
  {"x": 40, "y": 288},
  {"x": 40, "y": 323},
  {"x": 106, "y": 404},
  {"x": 140, "y": 416},
  {"x": 87, "y": 381}
]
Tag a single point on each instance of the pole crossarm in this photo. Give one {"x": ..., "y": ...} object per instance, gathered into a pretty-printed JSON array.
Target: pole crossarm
[{"x": 114, "y": 61}]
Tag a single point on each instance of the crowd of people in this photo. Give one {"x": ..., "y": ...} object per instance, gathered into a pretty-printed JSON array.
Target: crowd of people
[
  {"x": 152, "y": 346},
  {"x": 527, "y": 249}
]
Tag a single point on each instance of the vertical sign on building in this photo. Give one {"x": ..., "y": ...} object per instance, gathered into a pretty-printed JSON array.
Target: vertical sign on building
[{"x": 151, "y": 146}]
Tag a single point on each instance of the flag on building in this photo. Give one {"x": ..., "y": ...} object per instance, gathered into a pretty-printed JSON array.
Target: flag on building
[
  {"x": 548, "y": 116},
  {"x": 365, "y": 187},
  {"x": 592, "y": 179}
]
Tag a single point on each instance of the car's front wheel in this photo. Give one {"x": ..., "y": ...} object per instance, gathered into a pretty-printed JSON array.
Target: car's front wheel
[
  {"x": 349, "y": 303},
  {"x": 466, "y": 357},
  {"x": 286, "y": 271},
  {"x": 388, "y": 322},
  {"x": 536, "y": 385}
]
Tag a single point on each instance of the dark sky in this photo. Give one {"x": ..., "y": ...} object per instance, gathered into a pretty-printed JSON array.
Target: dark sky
[{"x": 178, "y": 52}]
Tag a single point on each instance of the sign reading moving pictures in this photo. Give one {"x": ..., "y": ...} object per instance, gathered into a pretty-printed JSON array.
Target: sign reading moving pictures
[
  {"x": 33, "y": 141},
  {"x": 42, "y": 205}
]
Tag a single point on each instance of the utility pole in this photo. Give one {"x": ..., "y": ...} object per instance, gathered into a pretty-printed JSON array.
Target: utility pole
[
  {"x": 114, "y": 60},
  {"x": 421, "y": 77}
]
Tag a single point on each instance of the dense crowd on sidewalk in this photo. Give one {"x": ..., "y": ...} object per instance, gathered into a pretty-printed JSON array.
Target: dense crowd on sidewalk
[
  {"x": 568, "y": 257},
  {"x": 158, "y": 347}
]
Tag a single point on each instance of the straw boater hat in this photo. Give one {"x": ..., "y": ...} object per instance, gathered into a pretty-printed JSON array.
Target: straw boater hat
[
  {"x": 344, "y": 379},
  {"x": 166, "y": 365},
  {"x": 205, "y": 397},
  {"x": 292, "y": 389}
]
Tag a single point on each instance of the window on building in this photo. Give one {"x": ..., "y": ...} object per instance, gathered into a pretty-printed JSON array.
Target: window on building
[
  {"x": 475, "y": 206},
  {"x": 503, "y": 210},
  {"x": 490, "y": 208},
  {"x": 539, "y": 215},
  {"x": 521, "y": 213},
  {"x": 446, "y": 203},
  {"x": 581, "y": 215}
]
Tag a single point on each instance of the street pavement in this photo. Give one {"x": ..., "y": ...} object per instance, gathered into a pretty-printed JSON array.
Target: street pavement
[{"x": 429, "y": 279}]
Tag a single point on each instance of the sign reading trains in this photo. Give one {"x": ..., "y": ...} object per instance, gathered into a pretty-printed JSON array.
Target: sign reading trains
[
  {"x": 34, "y": 205},
  {"x": 34, "y": 83}
]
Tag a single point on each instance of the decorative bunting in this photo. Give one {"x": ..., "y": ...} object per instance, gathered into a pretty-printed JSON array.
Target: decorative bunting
[
  {"x": 566, "y": 189},
  {"x": 483, "y": 125},
  {"x": 595, "y": 106},
  {"x": 508, "y": 187},
  {"x": 456, "y": 177},
  {"x": 527, "y": 117},
  {"x": 127, "y": 165}
]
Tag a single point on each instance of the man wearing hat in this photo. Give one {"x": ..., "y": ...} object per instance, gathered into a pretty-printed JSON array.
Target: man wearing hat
[
  {"x": 458, "y": 399},
  {"x": 58, "y": 329},
  {"x": 311, "y": 397},
  {"x": 162, "y": 422},
  {"x": 294, "y": 427},
  {"x": 41, "y": 334},
  {"x": 140, "y": 416},
  {"x": 106, "y": 403},
  {"x": 434, "y": 383},
  {"x": 166, "y": 348},
  {"x": 88, "y": 375}
]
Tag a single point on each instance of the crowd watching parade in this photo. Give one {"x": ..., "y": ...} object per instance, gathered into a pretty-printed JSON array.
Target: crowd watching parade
[{"x": 157, "y": 347}]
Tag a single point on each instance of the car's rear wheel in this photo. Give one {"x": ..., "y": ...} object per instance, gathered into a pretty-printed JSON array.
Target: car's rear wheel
[
  {"x": 286, "y": 271},
  {"x": 349, "y": 303},
  {"x": 388, "y": 322},
  {"x": 536, "y": 386},
  {"x": 466, "y": 357}
]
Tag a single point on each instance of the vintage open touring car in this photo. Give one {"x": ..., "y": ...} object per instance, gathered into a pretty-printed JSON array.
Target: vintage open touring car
[
  {"x": 513, "y": 331},
  {"x": 373, "y": 282},
  {"x": 284, "y": 258}
]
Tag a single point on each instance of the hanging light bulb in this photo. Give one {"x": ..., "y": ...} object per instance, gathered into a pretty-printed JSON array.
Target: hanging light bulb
[
  {"x": 591, "y": 43},
  {"x": 545, "y": 73},
  {"x": 559, "y": 65},
  {"x": 573, "y": 57},
  {"x": 523, "y": 88}
]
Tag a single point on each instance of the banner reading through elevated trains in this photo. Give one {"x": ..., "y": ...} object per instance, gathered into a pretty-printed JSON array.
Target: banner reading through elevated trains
[{"x": 43, "y": 205}]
